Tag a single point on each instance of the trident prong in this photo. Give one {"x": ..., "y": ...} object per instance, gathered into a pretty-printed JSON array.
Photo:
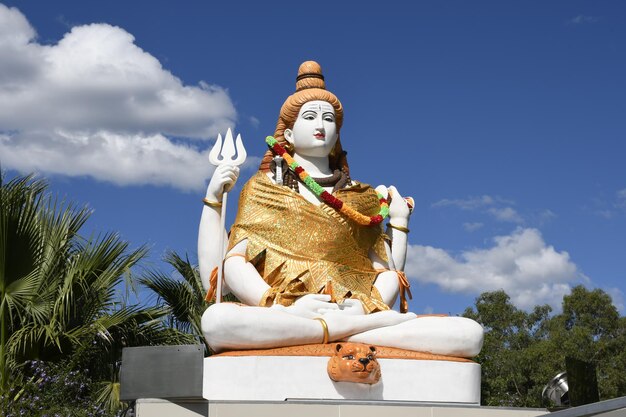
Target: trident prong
[{"x": 223, "y": 153}]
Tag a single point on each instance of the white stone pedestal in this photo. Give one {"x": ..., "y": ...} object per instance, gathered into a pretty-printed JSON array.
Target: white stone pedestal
[{"x": 280, "y": 378}]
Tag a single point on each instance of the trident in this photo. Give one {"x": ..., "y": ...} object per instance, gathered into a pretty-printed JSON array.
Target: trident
[{"x": 224, "y": 154}]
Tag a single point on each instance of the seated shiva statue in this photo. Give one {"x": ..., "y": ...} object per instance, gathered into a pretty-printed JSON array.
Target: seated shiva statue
[{"x": 307, "y": 256}]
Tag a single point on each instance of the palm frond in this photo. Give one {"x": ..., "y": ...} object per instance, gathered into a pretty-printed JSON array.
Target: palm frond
[
  {"x": 108, "y": 394},
  {"x": 18, "y": 294},
  {"x": 186, "y": 270},
  {"x": 184, "y": 297}
]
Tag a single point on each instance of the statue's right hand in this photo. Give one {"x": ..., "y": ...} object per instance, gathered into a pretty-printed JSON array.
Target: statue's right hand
[
  {"x": 309, "y": 306},
  {"x": 223, "y": 179}
]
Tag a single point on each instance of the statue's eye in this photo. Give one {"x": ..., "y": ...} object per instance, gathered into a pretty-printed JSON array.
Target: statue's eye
[
  {"x": 309, "y": 115},
  {"x": 349, "y": 357},
  {"x": 370, "y": 357}
]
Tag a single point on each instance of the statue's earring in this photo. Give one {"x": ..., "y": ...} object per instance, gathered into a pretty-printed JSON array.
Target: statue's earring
[{"x": 288, "y": 145}]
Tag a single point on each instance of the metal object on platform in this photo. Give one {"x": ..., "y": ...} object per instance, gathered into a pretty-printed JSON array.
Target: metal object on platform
[
  {"x": 556, "y": 391},
  {"x": 583, "y": 382},
  {"x": 173, "y": 372}
]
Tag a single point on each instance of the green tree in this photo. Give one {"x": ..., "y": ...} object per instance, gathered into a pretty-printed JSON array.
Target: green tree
[
  {"x": 590, "y": 329},
  {"x": 524, "y": 350},
  {"x": 60, "y": 294},
  {"x": 102, "y": 355},
  {"x": 182, "y": 297},
  {"x": 512, "y": 342}
]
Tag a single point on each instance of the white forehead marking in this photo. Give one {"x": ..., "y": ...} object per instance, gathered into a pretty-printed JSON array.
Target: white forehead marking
[{"x": 323, "y": 106}]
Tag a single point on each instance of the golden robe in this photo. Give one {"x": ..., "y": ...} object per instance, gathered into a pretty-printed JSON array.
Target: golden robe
[{"x": 301, "y": 248}]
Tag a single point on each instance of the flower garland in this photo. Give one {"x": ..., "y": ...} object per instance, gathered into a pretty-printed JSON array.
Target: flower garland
[{"x": 327, "y": 197}]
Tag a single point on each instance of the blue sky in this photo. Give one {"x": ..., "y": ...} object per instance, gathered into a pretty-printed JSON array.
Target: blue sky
[{"x": 505, "y": 121}]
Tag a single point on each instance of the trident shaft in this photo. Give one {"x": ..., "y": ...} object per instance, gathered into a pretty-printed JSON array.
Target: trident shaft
[{"x": 223, "y": 153}]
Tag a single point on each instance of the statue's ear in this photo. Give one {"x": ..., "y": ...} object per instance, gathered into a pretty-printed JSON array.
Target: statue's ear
[
  {"x": 373, "y": 349},
  {"x": 288, "y": 135},
  {"x": 338, "y": 347}
]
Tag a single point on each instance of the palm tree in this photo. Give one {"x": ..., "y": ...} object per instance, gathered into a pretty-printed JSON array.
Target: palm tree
[
  {"x": 59, "y": 292},
  {"x": 36, "y": 239},
  {"x": 183, "y": 298},
  {"x": 140, "y": 326}
]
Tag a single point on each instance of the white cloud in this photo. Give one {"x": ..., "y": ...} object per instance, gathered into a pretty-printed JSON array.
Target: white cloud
[
  {"x": 120, "y": 159},
  {"x": 96, "y": 104},
  {"x": 14, "y": 28},
  {"x": 607, "y": 214},
  {"x": 621, "y": 199},
  {"x": 547, "y": 215},
  {"x": 584, "y": 19},
  {"x": 471, "y": 203},
  {"x": 472, "y": 227},
  {"x": 617, "y": 297},
  {"x": 505, "y": 214},
  {"x": 497, "y": 207},
  {"x": 612, "y": 207},
  {"x": 255, "y": 122},
  {"x": 521, "y": 264}
]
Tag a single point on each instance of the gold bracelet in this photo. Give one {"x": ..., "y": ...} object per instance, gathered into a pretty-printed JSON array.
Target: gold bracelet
[
  {"x": 400, "y": 228},
  {"x": 216, "y": 204},
  {"x": 325, "y": 327}
]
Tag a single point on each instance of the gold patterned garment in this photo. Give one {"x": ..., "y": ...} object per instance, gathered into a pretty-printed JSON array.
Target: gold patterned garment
[{"x": 300, "y": 248}]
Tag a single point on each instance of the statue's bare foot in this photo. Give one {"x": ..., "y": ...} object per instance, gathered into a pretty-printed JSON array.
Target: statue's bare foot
[{"x": 341, "y": 326}]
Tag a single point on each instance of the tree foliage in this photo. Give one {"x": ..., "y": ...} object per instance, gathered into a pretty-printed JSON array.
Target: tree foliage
[
  {"x": 182, "y": 298},
  {"x": 524, "y": 350},
  {"x": 53, "y": 389},
  {"x": 60, "y": 298},
  {"x": 181, "y": 295}
]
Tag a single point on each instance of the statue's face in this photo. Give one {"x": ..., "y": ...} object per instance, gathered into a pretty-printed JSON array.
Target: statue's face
[{"x": 314, "y": 132}]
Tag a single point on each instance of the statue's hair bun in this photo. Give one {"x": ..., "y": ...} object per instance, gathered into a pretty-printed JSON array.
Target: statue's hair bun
[{"x": 310, "y": 76}]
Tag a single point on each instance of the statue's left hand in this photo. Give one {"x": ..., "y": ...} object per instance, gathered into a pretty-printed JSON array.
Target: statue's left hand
[{"x": 398, "y": 207}]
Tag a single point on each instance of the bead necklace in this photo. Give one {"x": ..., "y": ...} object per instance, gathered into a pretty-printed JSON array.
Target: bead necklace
[{"x": 327, "y": 197}]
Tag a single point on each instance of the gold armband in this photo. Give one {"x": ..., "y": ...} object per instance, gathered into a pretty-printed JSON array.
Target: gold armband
[
  {"x": 400, "y": 228},
  {"x": 216, "y": 204}
]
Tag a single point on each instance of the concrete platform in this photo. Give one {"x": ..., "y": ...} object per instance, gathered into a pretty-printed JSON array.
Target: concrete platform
[
  {"x": 280, "y": 378},
  {"x": 163, "y": 408}
]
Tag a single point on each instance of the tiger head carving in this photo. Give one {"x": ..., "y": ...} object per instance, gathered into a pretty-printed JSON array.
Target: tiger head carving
[{"x": 354, "y": 362}]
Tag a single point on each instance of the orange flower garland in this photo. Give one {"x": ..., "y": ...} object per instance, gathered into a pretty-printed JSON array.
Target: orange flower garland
[{"x": 327, "y": 197}]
